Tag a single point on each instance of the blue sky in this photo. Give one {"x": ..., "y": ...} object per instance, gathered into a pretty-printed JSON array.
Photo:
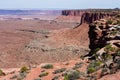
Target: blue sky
[{"x": 58, "y": 4}]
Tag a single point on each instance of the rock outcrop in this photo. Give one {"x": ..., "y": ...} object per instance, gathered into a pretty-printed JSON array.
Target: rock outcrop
[
  {"x": 73, "y": 12},
  {"x": 103, "y": 32},
  {"x": 89, "y": 16}
]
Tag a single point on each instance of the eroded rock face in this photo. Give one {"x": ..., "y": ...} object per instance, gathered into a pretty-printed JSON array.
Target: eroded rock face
[
  {"x": 72, "y": 12},
  {"x": 97, "y": 37},
  {"x": 88, "y": 16},
  {"x": 91, "y": 17},
  {"x": 99, "y": 34}
]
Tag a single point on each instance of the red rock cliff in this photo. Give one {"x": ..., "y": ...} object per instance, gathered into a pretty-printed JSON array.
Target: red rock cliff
[
  {"x": 72, "y": 12},
  {"x": 88, "y": 16}
]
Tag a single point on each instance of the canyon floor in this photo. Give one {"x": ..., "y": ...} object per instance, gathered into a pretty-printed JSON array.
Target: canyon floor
[
  {"x": 61, "y": 49},
  {"x": 34, "y": 42},
  {"x": 29, "y": 42}
]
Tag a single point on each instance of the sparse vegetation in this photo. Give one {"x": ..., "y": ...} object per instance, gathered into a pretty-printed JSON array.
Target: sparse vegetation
[
  {"x": 109, "y": 22},
  {"x": 24, "y": 69},
  {"x": 56, "y": 78},
  {"x": 95, "y": 50},
  {"x": 113, "y": 32},
  {"x": 109, "y": 48},
  {"x": 91, "y": 70},
  {"x": 59, "y": 70},
  {"x": 101, "y": 60},
  {"x": 78, "y": 65},
  {"x": 93, "y": 66},
  {"x": 118, "y": 52},
  {"x": 43, "y": 74},
  {"x": 106, "y": 56},
  {"x": 47, "y": 66},
  {"x": 1, "y": 73},
  {"x": 72, "y": 75}
]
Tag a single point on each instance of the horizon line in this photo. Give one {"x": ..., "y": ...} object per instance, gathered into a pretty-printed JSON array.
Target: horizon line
[{"x": 52, "y": 8}]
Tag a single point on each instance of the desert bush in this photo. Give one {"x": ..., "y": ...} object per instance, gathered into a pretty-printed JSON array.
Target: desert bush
[
  {"x": 47, "y": 66},
  {"x": 118, "y": 63},
  {"x": 93, "y": 66},
  {"x": 24, "y": 69},
  {"x": 56, "y": 78},
  {"x": 59, "y": 70},
  {"x": 104, "y": 71},
  {"x": 95, "y": 50},
  {"x": 72, "y": 75},
  {"x": 91, "y": 70},
  {"x": 113, "y": 33},
  {"x": 106, "y": 56},
  {"x": 43, "y": 74},
  {"x": 78, "y": 65},
  {"x": 1, "y": 73},
  {"x": 118, "y": 52},
  {"x": 109, "y": 22},
  {"x": 109, "y": 48},
  {"x": 93, "y": 77}
]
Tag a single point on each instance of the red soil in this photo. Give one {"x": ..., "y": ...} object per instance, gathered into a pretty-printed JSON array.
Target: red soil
[{"x": 76, "y": 37}]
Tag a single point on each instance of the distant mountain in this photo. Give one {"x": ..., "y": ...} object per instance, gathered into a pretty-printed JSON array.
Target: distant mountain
[{"x": 30, "y": 12}]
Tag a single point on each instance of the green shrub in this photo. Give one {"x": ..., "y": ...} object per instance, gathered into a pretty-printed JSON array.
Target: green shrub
[
  {"x": 66, "y": 77},
  {"x": 43, "y": 74},
  {"x": 1, "y": 73},
  {"x": 91, "y": 70},
  {"x": 109, "y": 48},
  {"x": 104, "y": 71},
  {"x": 24, "y": 69},
  {"x": 95, "y": 63},
  {"x": 118, "y": 52},
  {"x": 118, "y": 63},
  {"x": 56, "y": 78},
  {"x": 106, "y": 56},
  {"x": 95, "y": 50},
  {"x": 59, "y": 70},
  {"x": 113, "y": 32},
  {"x": 93, "y": 66},
  {"x": 78, "y": 65},
  {"x": 109, "y": 22},
  {"x": 47, "y": 66},
  {"x": 72, "y": 75}
]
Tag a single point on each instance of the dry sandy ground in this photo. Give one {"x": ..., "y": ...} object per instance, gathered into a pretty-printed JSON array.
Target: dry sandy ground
[
  {"x": 15, "y": 35},
  {"x": 32, "y": 42},
  {"x": 68, "y": 19},
  {"x": 35, "y": 72}
]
